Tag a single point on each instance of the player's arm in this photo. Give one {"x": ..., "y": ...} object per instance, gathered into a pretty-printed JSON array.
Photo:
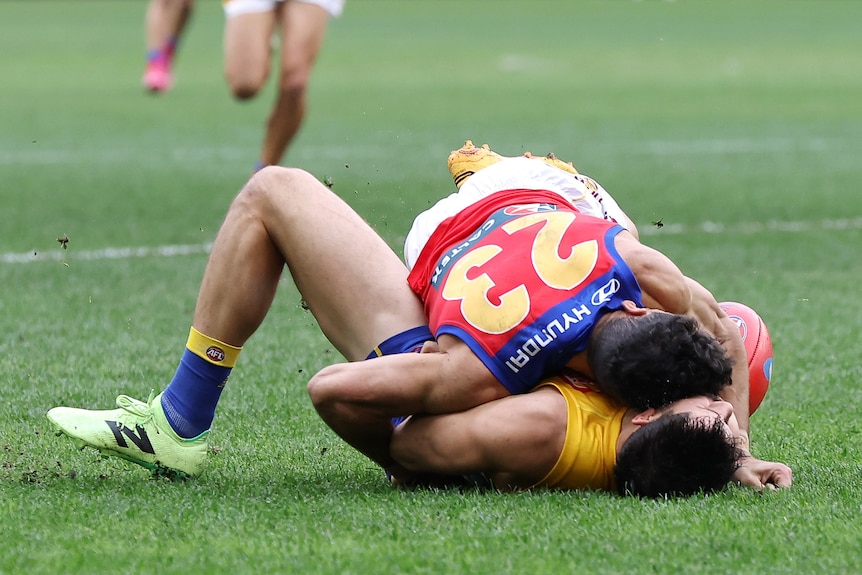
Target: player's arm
[
  {"x": 714, "y": 320},
  {"x": 358, "y": 399},
  {"x": 514, "y": 440},
  {"x": 752, "y": 471}
]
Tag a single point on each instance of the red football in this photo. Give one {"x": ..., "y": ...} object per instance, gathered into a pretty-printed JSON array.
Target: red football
[{"x": 758, "y": 347}]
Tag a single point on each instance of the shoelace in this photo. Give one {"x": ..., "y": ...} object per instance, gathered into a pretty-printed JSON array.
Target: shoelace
[{"x": 136, "y": 407}]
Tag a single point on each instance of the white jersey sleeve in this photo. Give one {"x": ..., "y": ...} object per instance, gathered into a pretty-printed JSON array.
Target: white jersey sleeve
[{"x": 523, "y": 173}]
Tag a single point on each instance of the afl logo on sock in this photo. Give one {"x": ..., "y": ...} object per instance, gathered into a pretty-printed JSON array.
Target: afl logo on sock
[{"x": 216, "y": 354}]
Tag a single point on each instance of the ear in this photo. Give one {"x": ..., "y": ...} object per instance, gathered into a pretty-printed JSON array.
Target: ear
[
  {"x": 631, "y": 308},
  {"x": 645, "y": 416}
]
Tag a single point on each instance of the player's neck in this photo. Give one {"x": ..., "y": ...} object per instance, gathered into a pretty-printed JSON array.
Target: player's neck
[
  {"x": 579, "y": 364},
  {"x": 627, "y": 427}
]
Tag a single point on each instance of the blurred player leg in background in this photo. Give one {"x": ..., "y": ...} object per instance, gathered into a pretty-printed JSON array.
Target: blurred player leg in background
[
  {"x": 250, "y": 25},
  {"x": 165, "y": 22}
]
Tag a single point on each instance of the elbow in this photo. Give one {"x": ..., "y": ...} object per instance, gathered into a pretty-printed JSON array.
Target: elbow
[
  {"x": 323, "y": 389},
  {"x": 338, "y": 395}
]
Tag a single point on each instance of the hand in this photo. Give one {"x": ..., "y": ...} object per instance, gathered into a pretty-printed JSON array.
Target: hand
[{"x": 761, "y": 474}]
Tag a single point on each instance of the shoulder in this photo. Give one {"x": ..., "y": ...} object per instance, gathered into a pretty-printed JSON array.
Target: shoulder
[
  {"x": 663, "y": 284},
  {"x": 549, "y": 409}
]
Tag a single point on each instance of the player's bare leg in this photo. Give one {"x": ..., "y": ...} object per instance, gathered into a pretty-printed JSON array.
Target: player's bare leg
[
  {"x": 247, "y": 48},
  {"x": 303, "y": 27},
  {"x": 353, "y": 282},
  {"x": 165, "y": 22}
]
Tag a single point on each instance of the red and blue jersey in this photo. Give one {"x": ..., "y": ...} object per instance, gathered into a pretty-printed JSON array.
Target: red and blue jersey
[{"x": 522, "y": 277}]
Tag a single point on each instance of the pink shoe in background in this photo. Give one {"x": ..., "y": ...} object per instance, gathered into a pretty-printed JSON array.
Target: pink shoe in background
[{"x": 157, "y": 76}]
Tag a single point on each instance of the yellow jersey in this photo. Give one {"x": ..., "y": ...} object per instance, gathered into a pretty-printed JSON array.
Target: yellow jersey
[{"x": 589, "y": 451}]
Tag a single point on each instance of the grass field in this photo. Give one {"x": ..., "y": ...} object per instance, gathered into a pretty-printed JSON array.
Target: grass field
[{"x": 737, "y": 124}]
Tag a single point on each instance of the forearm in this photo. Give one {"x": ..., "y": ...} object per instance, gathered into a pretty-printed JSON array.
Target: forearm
[
  {"x": 436, "y": 444},
  {"x": 514, "y": 440},
  {"x": 737, "y": 392},
  {"x": 715, "y": 321},
  {"x": 357, "y": 400},
  {"x": 358, "y": 404}
]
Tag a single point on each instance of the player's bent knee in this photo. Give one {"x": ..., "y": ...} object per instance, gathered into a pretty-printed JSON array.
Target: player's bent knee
[
  {"x": 243, "y": 93},
  {"x": 277, "y": 195},
  {"x": 278, "y": 179},
  {"x": 263, "y": 186},
  {"x": 243, "y": 86}
]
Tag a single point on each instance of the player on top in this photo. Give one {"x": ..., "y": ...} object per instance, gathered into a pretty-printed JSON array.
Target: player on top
[{"x": 525, "y": 271}]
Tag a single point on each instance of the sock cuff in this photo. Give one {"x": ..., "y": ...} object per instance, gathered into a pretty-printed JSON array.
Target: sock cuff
[{"x": 212, "y": 350}]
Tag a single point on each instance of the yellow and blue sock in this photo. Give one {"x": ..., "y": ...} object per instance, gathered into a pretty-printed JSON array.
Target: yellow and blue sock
[{"x": 190, "y": 400}]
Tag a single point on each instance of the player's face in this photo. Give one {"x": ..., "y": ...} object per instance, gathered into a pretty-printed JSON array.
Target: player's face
[{"x": 707, "y": 408}]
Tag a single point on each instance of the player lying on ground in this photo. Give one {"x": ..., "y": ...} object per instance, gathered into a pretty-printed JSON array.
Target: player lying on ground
[
  {"x": 565, "y": 435},
  {"x": 357, "y": 288}
]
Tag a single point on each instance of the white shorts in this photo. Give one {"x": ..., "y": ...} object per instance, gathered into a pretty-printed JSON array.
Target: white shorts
[
  {"x": 517, "y": 173},
  {"x": 236, "y": 7}
]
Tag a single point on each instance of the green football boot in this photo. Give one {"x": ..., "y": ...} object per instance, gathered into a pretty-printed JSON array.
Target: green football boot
[{"x": 136, "y": 431}]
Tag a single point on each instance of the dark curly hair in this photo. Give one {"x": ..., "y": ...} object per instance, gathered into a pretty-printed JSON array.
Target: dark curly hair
[
  {"x": 655, "y": 359},
  {"x": 676, "y": 455}
]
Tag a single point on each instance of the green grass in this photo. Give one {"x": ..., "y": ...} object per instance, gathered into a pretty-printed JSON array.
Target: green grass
[{"x": 737, "y": 123}]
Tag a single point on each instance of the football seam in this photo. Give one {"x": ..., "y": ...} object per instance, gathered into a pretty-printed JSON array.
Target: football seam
[{"x": 757, "y": 341}]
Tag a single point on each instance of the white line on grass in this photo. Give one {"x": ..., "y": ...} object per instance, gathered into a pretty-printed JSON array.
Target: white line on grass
[
  {"x": 183, "y": 155},
  {"x": 721, "y": 147},
  {"x": 106, "y": 254},
  {"x": 739, "y": 228},
  {"x": 751, "y": 227}
]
